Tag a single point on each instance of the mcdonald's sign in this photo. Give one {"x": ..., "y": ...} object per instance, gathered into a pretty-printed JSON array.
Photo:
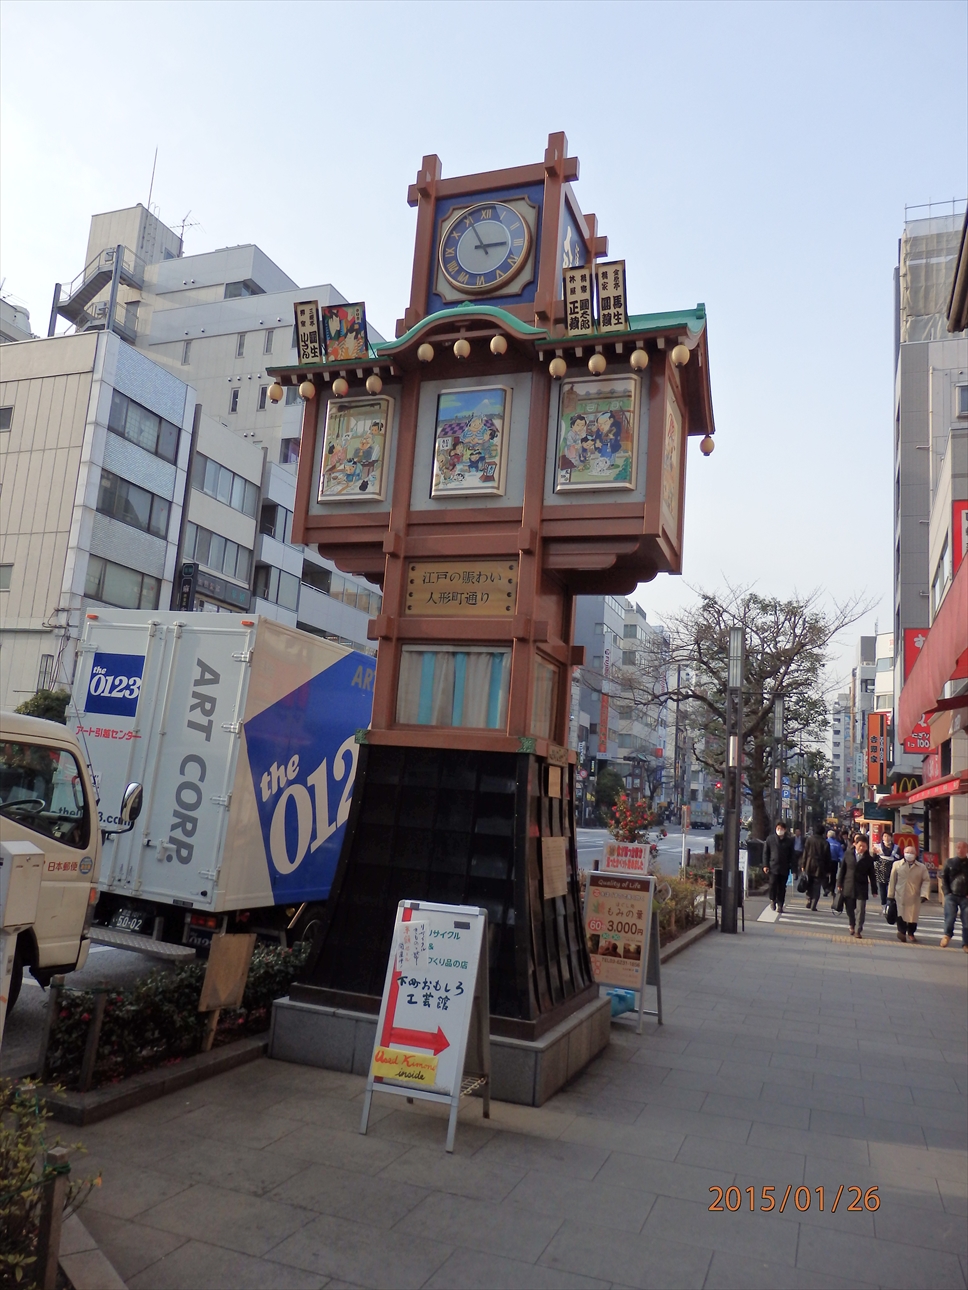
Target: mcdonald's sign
[{"x": 906, "y": 784}]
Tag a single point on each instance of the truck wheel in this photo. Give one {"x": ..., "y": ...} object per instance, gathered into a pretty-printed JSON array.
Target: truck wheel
[{"x": 16, "y": 978}]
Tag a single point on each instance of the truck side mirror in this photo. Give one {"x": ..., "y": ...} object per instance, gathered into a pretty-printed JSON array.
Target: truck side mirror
[{"x": 131, "y": 803}]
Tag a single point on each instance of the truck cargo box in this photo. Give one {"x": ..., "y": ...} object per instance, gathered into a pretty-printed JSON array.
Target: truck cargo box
[{"x": 243, "y": 732}]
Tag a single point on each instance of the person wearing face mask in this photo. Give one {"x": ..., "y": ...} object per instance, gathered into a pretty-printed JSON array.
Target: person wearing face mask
[
  {"x": 909, "y": 885},
  {"x": 884, "y": 854},
  {"x": 778, "y": 854},
  {"x": 954, "y": 884},
  {"x": 855, "y": 876},
  {"x": 816, "y": 860}
]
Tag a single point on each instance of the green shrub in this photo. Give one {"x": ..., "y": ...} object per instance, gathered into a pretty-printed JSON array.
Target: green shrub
[
  {"x": 23, "y": 1172},
  {"x": 683, "y": 909},
  {"x": 156, "y": 1020},
  {"x": 49, "y": 704}
]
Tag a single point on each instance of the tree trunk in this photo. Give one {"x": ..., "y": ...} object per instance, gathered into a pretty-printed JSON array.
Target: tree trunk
[{"x": 756, "y": 781}]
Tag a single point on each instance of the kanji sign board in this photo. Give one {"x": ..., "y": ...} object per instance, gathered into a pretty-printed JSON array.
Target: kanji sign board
[
  {"x": 618, "y": 922},
  {"x": 436, "y": 970}
]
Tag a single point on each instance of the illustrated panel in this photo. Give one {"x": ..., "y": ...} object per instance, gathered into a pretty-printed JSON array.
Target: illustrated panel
[
  {"x": 598, "y": 430},
  {"x": 470, "y": 442}
]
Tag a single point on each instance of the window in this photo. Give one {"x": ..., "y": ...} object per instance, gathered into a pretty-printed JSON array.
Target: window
[
  {"x": 628, "y": 657},
  {"x": 544, "y": 705},
  {"x": 630, "y": 630},
  {"x": 292, "y": 393},
  {"x": 867, "y": 687},
  {"x": 942, "y": 576},
  {"x": 224, "y": 485},
  {"x": 275, "y": 521},
  {"x": 6, "y": 417},
  {"x": 186, "y": 353},
  {"x": 217, "y": 552},
  {"x": 263, "y": 391},
  {"x": 5, "y": 571},
  {"x": 233, "y": 290},
  {"x": 234, "y": 400},
  {"x": 267, "y": 344},
  {"x": 453, "y": 686},
  {"x": 148, "y": 430},
  {"x": 43, "y": 790},
  {"x": 115, "y": 584},
  {"x": 288, "y": 451},
  {"x": 240, "y": 345},
  {"x": 276, "y": 585},
  {"x": 961, "y": 401},
  {"x": 314, "y": 576},
  {"x": 132, "y": 505},
  {"x": 45, "y": 674}
]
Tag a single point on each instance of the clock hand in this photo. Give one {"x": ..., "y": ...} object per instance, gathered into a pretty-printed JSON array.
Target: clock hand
[{"x": 481, "y": 246}]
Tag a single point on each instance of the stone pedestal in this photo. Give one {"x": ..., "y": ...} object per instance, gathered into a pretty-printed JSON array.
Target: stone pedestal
[{"x": 526, "y": 1071}]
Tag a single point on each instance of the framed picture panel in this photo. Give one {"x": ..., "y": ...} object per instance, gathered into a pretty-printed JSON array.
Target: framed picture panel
[
  {"x": 355, "y": 445},
  {"x": 598, "y": 430},
  {"x": 471, "y": 442},
  {"x": 344, "y": 332}
]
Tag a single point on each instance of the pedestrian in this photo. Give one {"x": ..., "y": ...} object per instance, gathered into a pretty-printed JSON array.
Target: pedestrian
[
  {"x": 778, "y": 854},
  {"x": 816, "y": 861},
  {"x": 884, "y": 854},
  {"x": 797, "y": 851},
  {"x": 909, "y": 885},
  {"x": 855, "y": 876},
  {"x": 833, "y": 864},
  {"x": 954, "y": 884}
]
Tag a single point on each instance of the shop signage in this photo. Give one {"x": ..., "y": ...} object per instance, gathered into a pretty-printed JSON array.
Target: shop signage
[
  {"x": 229, "y": 592},
  {"x": 872, "y": 813},
  {"x": 629, "y": 857},
  {"x": 437, "y": 967},
  {"x": 876, "y": 747},
  {"x": 919, "y": 740},
  {"x": 308, "y": 345},
  {"x": 947, "y": 786},
  {"x": 603, "y": 712},
  {"x": 578, "y": 292},
  {"x": 914, "y": 638},
  {"x": 461, "y": 589},
  {"x": 619, "y": 927}
]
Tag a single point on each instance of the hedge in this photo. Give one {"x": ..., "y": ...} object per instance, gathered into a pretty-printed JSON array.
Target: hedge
[{"x": 156, "y": 1021}]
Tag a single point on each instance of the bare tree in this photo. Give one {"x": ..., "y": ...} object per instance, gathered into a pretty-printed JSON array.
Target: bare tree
[{"x": 787, "y": 651}]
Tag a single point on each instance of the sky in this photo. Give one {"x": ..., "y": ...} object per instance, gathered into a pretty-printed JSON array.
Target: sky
[{"x": 755, "y": 157}]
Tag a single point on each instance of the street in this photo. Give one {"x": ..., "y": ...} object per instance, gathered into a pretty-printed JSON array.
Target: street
[{"x": 591, "y": 843}]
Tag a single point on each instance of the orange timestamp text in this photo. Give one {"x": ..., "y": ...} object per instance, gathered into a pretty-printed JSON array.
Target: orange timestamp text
[{"x": 731, "y": 1199}]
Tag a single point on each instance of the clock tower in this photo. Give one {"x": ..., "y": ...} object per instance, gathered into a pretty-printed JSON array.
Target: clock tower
[{"x": 522, "y": 441}]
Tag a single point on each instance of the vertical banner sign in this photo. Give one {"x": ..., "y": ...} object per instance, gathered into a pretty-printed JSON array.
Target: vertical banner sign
[
  {"x": 437, "y": 966},
  {"x": 959, "y": 534},
  {"x": 603, "y": 713},
  {"x": 612, "y": 311},
  {"x": 577, "y": 291},
  {"x": 877, "y": 748},
  {"x": 914, "y": 638},
  {"x": 308, "y": 344}
]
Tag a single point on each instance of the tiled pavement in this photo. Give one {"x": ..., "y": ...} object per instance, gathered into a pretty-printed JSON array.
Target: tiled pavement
[{"x": 787, "y": 1057}]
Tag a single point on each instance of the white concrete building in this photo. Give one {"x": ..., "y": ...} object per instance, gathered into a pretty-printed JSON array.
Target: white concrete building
[
  {"x": 14, "y": 323},
  {"x": 216, "y": 321}
]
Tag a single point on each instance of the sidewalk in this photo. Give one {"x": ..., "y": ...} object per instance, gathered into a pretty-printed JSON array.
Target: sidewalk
[{"x": 788, "y": 1057}]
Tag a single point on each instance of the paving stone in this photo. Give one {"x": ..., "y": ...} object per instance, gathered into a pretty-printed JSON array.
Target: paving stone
[
  {"x": 362, "y": 1255},
  {"x": 350, "y": 1195},
  {"x": 199, "y": 1266},
  {"x": 346, "y": 1149},
  {"x": 661, "y": 1177},
  {"x": 848, "y": 1151},
  {"x": 871, "y": 1128},
  {"x": 781, "y": 1166},
  {"x": 654, "y": 1139},
  {"x": 886, "y": 1263},
  {"x": 748, "y": 1109},
  {"x": 472, "y": 1270},
  {"x": 125, "y": 1190},
  {"x": 133, "y": 1246},
  {"x": 504, "y": 1228},
  {"x": 514, "y": 1150},
  {"x": 647, "y": 1262},
  {"x": 755, "y": 1235},
  {"x": 249, "y": 1224},
  {"x": 239, "y": 1168},
  {"x": 726, "y": 1128},
  {"x": 461, "y": 1176},
  {"x": 624, "y": 1208}
]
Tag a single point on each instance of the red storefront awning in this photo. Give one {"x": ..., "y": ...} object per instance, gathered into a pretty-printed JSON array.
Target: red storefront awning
[
  {"x": 946, "y": 786},
  {"x": 938, "y": 659}
]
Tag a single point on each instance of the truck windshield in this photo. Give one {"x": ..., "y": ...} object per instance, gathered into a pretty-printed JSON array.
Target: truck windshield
[{"x": 42, "y": 789}]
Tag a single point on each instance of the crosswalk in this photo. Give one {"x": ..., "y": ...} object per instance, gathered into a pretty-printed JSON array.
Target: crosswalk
[{"x": 796, "y": 915}]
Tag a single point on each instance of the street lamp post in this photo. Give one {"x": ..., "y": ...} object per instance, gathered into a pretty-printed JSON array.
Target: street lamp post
[{"x": 734, "y": 778}]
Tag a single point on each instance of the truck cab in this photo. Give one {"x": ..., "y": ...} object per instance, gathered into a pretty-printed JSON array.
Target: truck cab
[{"x": 47, "y": 800}]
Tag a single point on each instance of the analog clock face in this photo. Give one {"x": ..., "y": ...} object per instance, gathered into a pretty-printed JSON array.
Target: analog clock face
[{"x": 484, "y": 248}]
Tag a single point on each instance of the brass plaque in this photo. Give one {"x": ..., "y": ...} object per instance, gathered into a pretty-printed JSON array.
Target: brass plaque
[{"x": 461, "y": 589}]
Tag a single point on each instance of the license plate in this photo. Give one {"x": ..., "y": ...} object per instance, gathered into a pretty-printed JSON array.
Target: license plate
[{"x": 129, "y": 920}]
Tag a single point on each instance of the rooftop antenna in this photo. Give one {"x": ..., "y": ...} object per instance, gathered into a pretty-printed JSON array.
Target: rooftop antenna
[
  {"x": 186, "y": 223},
  {"x": 151, "y": 186}
]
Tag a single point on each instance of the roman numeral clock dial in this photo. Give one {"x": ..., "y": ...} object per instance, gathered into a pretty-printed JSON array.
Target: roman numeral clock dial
[{"x": 484, "y": 249}]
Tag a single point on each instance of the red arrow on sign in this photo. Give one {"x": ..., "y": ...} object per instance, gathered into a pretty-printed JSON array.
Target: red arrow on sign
[{"x": 420, "y": 1039}]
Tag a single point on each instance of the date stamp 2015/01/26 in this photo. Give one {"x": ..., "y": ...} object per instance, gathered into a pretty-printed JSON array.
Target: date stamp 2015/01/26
[{"x": 733, "y": 1199}]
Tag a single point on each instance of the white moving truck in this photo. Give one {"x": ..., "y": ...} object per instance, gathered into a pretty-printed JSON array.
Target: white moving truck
[
  {"x": 702, "y": 815},
  {"x": 243, "y": 732},
  {"x": 50, "y": 850}
]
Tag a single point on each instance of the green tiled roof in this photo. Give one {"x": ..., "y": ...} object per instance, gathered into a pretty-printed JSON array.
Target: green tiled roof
[{"x": 468, "y": 307}]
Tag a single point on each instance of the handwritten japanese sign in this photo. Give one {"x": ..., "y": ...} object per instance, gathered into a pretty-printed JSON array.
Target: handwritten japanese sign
[
  {"x": 554, "y": 866},
  {"x": 308, "y": 342},
  {"x": 578, "y": 291},
  {"x": 618, "y": 914},
  {"x": 612, "y": 307},
  {"x": 455, "y": 589},
  {"x": 628, "y": 857}
]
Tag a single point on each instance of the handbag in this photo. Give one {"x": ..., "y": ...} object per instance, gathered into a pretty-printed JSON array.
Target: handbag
[
  {"x": 891, "y": 912},
  {"x": 838, "y": 905},
  {"x": 803, "y": 884}
]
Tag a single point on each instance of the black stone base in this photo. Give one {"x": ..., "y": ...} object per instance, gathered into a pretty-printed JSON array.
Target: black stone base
[{"x": 461, "y": 827}]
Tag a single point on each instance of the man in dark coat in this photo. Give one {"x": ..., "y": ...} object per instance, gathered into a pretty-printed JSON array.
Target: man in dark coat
[
  {"x": 778, "y": 861},
  {"x": 816, "y": 859},
  {"x": 855, "y": 878}
]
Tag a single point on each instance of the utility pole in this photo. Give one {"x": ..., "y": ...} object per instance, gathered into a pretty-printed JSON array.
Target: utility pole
[
  {"x": 734, "y": 778},
  {"x": 676, "y": 798}
]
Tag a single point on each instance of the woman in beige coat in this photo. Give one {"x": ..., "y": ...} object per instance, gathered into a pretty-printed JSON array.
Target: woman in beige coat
[{"x": 909, "y": 885}]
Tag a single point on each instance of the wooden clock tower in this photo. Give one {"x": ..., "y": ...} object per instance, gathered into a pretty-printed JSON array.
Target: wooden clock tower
[{"x": 502, "y": 455}]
